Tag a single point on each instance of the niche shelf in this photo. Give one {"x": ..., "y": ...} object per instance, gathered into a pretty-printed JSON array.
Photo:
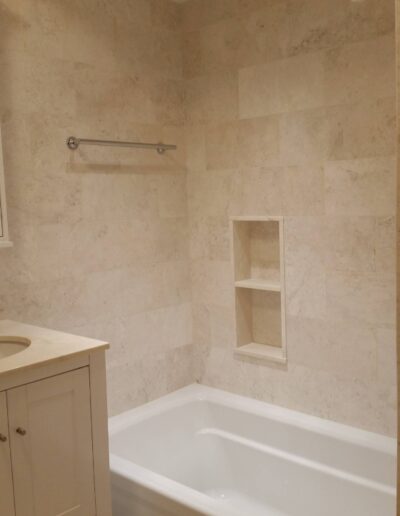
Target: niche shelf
[{"x": 258, "y": 270}]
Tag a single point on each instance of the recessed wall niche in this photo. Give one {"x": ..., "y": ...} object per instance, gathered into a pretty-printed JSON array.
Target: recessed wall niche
[{"x": 258, "y": 270}]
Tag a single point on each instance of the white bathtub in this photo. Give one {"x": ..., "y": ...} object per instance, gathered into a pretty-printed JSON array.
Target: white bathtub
[{"x": 205, "y": 451}]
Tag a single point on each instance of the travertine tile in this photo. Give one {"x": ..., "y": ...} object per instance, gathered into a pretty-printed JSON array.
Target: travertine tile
[
  {"x": 259, "y": 93},
  {"x": 258, "y": 191},
  {"x": 385, "y": 244},
  {"x": 303, "y": 190},
  {"x": 192, "y": 54},
  {"x": 317, "y": 24},
  {"x": 316, "y": 142},
  {"x": 301, "y": 82},
  {"x": 222, "y": 145},
  {"x": 199, "y": 13},
  {"x": 360, "y": 71},
  {"x": 362, "y": 130},
  {"x": 219, "y": 45},
  {"x": 212, "y": 282},
  {"x": 350, "y": 244},
  {"x": 263, "y": 32},
  {"x": 209, "y": 237},
  {"x": 212, "y": 97},
  {"x": 304, "y": 137},
  {"x": 258, "y": 141},
  {"x": 171, "y": 195},
  {"x": 211, "y": 194},
  {"x": 195, "y": 145},
  {"x": 101, "y": 241},
  {"x": 360, "y": 187},
  {"x": 344, "y": 349},
  {"x": 361, "y": 298},
  {"x": 282, "y": 86},
  {"x": 313, "y": 82},
  {"x": 166, "y": 15},
  {"x": 305, "y": 248}
]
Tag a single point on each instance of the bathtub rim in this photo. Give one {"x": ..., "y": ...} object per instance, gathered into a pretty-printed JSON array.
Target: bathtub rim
[
  {"x": 198, "y": 392},
  {"x": 167, "y": 488},
  {"x": 200, "y": 502}
]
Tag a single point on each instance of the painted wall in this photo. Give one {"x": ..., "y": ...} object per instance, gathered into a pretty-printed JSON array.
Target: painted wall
[
  {"x": 291, "y": 111},
  {"x": 100, "y": 235}
]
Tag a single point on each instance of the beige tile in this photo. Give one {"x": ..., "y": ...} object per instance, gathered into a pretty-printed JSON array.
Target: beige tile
[
  {"x": 349, "y": 401},
  {"x": 219, "y": 45},
  {"x": 258, "y": 191},
  {"x": 259, "y": 93},
  {"x": 362, "y": 130},
  {"x": 195, "y": 145},
  {"x": 303, "y": 190},
  {"x": 301, "y": 82},
  {"x": 171, "y": 196},
  {"x": 360, "y": 71},
  {"x": 282, "y": 86},
  {"x": 166, "y": 15},
  {"x": 386, "y": 338},
  {"x": 350, "y": 244},
  {"x": 307, "y": 26},
  {"x": 361, "y": 298},
  {"x": 212, "y": 97},
  {"x": 305, "y": 247},
  {"x": 344, "y": 349},
  {"x": 209, "y": 238},
  {"x": 118, "y": 71},
  {"x": 210, "y": 194},
  {"x": 317, "y": 24},
  {"x": 222, "y": 145},
  {"x": 385, "y": 244},
  {"x": 192, "y": 54},
  {"x": 222, "y": 327},
  {"x": 304, "y": 137},
  {"x": 360, "y": 187},
  {"x": 259, "y": 141},
  {"x": 212, "y": 282},
  {"x": 262, "y": 32},
  {"x": 200, "y": 13}
]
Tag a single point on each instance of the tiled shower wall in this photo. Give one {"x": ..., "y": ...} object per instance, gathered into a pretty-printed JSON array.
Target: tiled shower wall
[
  {"x": 287, "y": 107},
  {"x": 100, "y": 235},
  {"x": 290, "y": 110}
]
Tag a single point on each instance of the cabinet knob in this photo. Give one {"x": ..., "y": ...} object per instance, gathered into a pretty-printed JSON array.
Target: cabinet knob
[
  {"x": 3, "y": 438},
  {"x": 20, "y": 431}
]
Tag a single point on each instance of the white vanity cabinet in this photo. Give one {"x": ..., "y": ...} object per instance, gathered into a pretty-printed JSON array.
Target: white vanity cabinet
[
  {"x": 6, "y": 484},
  {"x": 51, "y": 446},
  {"x": 54, "y": 439}
]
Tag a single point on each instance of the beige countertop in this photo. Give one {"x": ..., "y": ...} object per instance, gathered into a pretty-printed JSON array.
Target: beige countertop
[{"x": 46, "y": 346}]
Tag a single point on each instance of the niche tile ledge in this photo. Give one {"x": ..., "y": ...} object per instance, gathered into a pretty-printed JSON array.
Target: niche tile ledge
[{"x": 258, "y": 277}]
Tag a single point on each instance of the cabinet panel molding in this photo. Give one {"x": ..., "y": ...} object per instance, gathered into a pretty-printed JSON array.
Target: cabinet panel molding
[
  {"x": 6, "y": 485},
  {"x": 51, "y": 446}
]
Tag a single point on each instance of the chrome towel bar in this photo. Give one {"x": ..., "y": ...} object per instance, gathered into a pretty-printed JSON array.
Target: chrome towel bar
[{"x": 73, "y": 143}]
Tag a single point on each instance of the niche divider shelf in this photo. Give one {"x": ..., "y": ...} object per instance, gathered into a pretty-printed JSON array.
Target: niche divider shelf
[{"x": 258, "y": 276}]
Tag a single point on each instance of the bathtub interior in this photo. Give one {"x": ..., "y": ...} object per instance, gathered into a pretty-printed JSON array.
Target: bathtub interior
[{"x": 254, "y": 462}]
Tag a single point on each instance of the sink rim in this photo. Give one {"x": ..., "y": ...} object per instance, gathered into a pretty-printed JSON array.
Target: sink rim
[
  {"x": 12, "y": 339},
  {"x": 21, "y": 344}
]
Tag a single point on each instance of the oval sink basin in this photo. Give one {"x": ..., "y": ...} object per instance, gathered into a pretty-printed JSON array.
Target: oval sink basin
[{"x": 11, "y": 345}]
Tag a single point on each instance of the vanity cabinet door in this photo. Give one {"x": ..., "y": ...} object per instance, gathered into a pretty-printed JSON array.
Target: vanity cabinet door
[
  {"x": 6, "y": 484},
  {"x": 51, "y": 446}
]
